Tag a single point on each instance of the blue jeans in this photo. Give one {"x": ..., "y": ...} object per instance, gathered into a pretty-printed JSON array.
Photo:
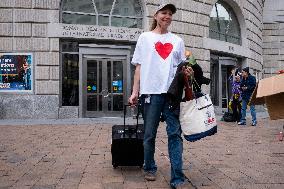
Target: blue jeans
[
  {"x": 244, "y": 111},
  {"x": 152, "y": 112}
]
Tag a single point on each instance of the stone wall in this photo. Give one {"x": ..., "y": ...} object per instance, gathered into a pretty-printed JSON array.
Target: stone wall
[
  {"x": 253, "y": 10},
  {"x": 273, "y": 37},
  {"x": 23, "y": 28},
  {"x": 15, "y": 106}
]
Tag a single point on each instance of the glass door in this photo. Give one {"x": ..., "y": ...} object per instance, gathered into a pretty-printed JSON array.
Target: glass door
[
  {"x": 226, "y": 85},
  {"x": 104, "y": 80},
  {"x": 221, "y": 89},
  {"x": 214, "y": 76},
  {"x": 104, "y": 87}
]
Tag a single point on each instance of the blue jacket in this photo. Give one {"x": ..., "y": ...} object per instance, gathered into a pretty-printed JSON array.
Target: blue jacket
[{"x": 250, "y": 83}]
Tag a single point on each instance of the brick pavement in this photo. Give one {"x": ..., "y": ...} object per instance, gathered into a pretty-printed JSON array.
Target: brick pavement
[{"x": 78, "y": 156}]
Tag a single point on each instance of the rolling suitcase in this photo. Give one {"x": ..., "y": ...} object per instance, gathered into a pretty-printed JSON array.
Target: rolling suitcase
[{"x": 127, "y": 143}]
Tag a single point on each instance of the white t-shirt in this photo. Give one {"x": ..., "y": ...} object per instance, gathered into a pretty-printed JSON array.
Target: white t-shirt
[{"x": 159, "y": 55}]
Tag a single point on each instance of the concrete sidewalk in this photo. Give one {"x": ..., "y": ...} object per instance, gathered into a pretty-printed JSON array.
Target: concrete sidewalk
[{"x": 77, "y": 155}]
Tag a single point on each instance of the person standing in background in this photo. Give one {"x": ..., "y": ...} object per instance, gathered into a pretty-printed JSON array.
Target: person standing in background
[
  {"x": 248, "y": 84},
  {"x": 236, "y": 99}
]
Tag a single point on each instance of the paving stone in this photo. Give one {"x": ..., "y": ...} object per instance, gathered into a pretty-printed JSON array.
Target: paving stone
[
  {"x": 6, "y": 182},
  {"x": 44, "y": 187},
  {"x": 15, "y": 158},
  {"x": 78, "y": 156},
  {"x": 90, "y": 186},
  {"x": 113, "y": 185}
]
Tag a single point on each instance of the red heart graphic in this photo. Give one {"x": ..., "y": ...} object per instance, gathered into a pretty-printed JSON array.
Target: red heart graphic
[{"x": 163, "y": 49}]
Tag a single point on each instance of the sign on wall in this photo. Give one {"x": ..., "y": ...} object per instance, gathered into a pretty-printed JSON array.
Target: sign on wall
[
  {"x": 93, "y": 32},
  {"x": 15, "y": 72}
]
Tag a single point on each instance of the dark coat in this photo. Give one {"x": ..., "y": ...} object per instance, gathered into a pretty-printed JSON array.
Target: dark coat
[
  {"x": 250, "y": 83},
  {"x": 176, "y": 88}
]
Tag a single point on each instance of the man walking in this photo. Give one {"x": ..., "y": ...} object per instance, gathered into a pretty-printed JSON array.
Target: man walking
[{"x": 248, "y": 84}]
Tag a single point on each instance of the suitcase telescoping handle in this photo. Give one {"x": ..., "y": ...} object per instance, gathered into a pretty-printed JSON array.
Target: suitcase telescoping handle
[{"x": 124, "y": 115}]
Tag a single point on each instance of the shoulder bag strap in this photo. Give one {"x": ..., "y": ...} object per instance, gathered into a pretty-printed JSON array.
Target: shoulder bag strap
[{"x": 188, "y": 89}]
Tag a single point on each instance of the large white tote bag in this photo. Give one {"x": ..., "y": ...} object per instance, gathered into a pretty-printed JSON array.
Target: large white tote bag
[{"x": 197, "y": 118}]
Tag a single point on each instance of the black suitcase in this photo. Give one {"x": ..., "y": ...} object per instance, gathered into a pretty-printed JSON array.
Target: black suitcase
[{"x": 127, "y": 143}]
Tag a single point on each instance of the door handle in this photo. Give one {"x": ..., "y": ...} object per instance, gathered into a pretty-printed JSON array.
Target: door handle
[
  {"x": 104, "y": 92},
  {"x": 107, "y": 95}
]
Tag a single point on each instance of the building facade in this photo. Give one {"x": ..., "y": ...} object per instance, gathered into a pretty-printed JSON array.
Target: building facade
[
  {"x": 77, "y": 52},
  {"x": 273, "y": 37}
]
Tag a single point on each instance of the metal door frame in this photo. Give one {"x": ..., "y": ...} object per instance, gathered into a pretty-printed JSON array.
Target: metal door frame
[
  {"x": 222, "y": 61},
  {"x": 93, "y": 51}
]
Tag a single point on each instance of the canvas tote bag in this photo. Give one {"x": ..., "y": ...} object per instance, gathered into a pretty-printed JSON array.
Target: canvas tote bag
[{"x": 197, "y": 117}]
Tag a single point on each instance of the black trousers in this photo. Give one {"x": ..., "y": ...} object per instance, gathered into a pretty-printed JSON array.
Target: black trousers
[{"x": 237, "y": 107}]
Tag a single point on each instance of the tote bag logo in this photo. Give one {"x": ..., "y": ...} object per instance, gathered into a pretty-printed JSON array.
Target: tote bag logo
[{"x": 210, "y": 119}]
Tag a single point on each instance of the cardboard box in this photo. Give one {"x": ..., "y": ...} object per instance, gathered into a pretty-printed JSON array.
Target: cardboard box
[
  {"x": 254, "y": 100},
  {"x": 271, "y": 92},
  {"x": 270, "y": 86},
  {"x": 275, "y": 106}
]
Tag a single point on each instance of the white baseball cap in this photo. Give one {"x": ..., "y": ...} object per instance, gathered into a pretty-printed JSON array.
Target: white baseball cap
[{"x": 170, "y": 6}]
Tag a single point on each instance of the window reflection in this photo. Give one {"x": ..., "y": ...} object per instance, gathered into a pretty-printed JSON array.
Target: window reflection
[
  {"x": 85, "y": 6},
  {"x": 70, "y": 79},
  {"x": 126, "y": 22},
  {"x": 118, "y": 13},
  {"x": 117, "y": 83},
  {"x": 68, "y": 18},
  {"x": 103, "y": 6},
  {"x": 223, "y": 24},
  {"x": 103, "y": 20},
  {"x": 127, "y": 8}
]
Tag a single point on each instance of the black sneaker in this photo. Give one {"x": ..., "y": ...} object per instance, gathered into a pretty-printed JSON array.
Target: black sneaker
[{"x": 253, "y": 123}]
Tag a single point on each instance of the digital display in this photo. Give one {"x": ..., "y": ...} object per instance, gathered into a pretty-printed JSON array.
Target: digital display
[{"x": 15, "y": 72}]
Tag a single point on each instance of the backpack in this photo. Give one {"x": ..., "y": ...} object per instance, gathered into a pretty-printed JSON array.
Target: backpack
[{"x": 228, "y": 117}]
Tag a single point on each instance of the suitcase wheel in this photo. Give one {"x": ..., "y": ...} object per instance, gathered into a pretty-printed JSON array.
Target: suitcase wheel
[{"x": 114, "y": 166}]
